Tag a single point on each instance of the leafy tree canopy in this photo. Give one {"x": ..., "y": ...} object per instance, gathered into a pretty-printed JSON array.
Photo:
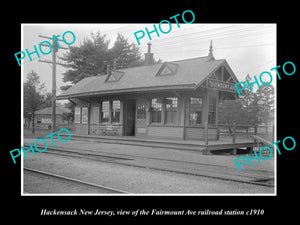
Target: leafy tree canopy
[
  {"x": 251, "y": 108},
  {"x": 33, "y": 95},
  {"x": 93, "y": 55}
]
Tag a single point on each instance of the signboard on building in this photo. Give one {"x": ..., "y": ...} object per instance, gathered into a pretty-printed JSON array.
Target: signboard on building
[{"x": 220, "y": 85}]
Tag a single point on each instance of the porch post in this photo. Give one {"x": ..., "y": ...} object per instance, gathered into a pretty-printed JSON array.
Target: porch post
[
  {"x": 206, "y": 138},
  {"x": 205, "y": 107},
  {"x": 206, "y": 133},
  {"x": 234, "y": 151},
  {"x": 233, "y": 133},
  {"x": 89, "y": 117},
  {"x": 148, "y": 113},
  {"x": 183, "y": 115},
  {"x": 163, "y": 113},
  {"x": 122, "y": 108},
  {"x": 110, "y": 111}
]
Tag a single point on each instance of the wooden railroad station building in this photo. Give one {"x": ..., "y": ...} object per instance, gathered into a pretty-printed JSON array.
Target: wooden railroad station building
[{"x": 170, "y": 100}]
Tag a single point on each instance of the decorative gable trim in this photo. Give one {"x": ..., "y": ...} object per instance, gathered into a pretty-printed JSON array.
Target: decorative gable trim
[
  {"x": 223, "y": 73},
  {"x": 167, "y": 69},
  {"x": 213, "y": 78}
]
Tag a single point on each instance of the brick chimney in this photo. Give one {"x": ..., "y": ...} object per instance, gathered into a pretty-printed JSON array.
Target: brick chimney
[{"x": 149, "y": 56}]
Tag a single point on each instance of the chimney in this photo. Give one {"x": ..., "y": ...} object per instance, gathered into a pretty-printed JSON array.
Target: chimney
[{"x": 149, "y": 56}]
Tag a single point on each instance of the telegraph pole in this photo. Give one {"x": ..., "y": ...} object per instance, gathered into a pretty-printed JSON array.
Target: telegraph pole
[{"x": 53, "y": 62}]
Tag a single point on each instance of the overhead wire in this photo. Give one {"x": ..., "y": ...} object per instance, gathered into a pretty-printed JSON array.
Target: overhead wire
[
  {"x": 254, "y": 69},
  {"x": 214, "y": 38},
  {"x": 223, "y": 48},
  {"x": 193, "y": 33},
  {"x": 196, "y": 36},
  {"x": 206, "y": 33}
]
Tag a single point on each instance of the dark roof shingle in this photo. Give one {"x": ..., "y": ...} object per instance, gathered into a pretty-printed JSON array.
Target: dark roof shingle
[{"x": 189, "y": 73}]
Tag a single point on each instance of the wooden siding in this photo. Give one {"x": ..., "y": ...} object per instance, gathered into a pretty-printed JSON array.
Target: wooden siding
[
  {"x": 94, "y": 113},
  {"x": 197, "y": 133},
  {"x": 81, "y": 129},
  {"x": 165, "y": 132},
  {"x": 106, "y": 129}
]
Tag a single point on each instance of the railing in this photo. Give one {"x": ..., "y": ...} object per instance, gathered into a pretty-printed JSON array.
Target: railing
[
  {"x": 234, "y": 132},
  {"x": 259, "y": 139}
]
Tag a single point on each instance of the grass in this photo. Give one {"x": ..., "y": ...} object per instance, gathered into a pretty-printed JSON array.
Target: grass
[{"x": 38, "y": 133}]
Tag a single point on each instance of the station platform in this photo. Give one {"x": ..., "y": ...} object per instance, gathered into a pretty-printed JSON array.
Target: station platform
[{"x": 191, "y": 145}]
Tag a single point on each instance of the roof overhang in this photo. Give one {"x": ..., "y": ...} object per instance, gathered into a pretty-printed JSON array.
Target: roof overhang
[{"x": 129, "y": 90}]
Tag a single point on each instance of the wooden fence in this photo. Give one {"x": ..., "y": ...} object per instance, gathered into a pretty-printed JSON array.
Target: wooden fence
[{"x": 234, "y": 132}]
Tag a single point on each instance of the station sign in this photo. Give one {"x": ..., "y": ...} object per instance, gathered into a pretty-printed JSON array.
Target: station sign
[{"x": 220, "y": 85}]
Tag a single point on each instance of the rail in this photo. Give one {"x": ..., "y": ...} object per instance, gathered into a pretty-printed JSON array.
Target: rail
[
  {"x": 260, "y": 139},
  {"x": 113, "y": 190}
]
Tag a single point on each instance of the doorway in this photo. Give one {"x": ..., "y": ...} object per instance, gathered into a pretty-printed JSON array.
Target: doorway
[{"x": 129, "y": 117}]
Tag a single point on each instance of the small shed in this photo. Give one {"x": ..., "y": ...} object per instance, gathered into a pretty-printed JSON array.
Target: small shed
[{"x": 43, "y": 117}]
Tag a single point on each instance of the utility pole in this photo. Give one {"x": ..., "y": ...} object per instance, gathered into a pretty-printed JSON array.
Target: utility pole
[{"x": 53, "y": 62}]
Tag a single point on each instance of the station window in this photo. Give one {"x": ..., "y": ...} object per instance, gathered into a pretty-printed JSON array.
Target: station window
[
  {"x": 116, "y": 111},
  {"x": 141, "y": 111},
  {"x": 171, "y": 110},
  {"x": 77, "y": 113},
  {"x": 195, "y": 111},
  {"x": 104, "y": 111},
  {"x": 156, "y": 111},
  {"x": 84, "y": 115}
]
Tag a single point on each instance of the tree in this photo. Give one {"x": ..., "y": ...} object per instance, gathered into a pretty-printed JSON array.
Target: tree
[
  {"x": 253, "y": 107},
  {"x": 249, "y": 101},
  {"x": 47, "y": 100},
  {"x": 69, "y": 116},
  {"x": 231, "y": 111},
  {"x": 248, "y": 97},
  {"x": 33, "y": 97},
  {"x": 243, "y": 110},
  {"x": 265, "y": 95},
  {"x": 93, "y": 55},
  {"x": 251, "y": 110},
  {"x": 89, "y": 59},
  {"x": 127, "y": 55}
]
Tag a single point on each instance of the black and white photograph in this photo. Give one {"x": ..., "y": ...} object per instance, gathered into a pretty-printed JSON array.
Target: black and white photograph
[{"x": 109, "y": 112}]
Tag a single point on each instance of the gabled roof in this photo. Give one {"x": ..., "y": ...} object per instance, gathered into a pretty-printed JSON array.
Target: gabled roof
[{"x": 186, "y": 74}]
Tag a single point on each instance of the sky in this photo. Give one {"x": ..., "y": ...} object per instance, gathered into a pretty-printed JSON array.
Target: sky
[{"x": 248, "y": 48}]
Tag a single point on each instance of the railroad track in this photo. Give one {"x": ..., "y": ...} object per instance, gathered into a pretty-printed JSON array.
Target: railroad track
[
  {"x": 201, "y": 169},
  {"x": 79, "y": 183}
]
